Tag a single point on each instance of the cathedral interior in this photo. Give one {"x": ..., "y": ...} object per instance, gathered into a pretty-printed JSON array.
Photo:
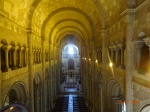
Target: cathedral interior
[{"x": 101, "y": 48}]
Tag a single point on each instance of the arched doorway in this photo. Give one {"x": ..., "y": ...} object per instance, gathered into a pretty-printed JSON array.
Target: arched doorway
[
  {"x": 38, "y": 96},
  {"x": 115, "y": 101},
  {"x": 17, "y": 94},
  {"x": 146, "y": 108}
]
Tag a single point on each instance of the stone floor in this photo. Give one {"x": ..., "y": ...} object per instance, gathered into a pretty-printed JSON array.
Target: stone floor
[
  {"x": 70, "y": 103},
  {"x": 73, "y": 96}
]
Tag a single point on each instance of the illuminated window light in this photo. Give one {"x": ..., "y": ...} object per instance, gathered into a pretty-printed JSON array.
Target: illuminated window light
[
  {"x": 96, "y": 61},
  {"x": 85, "y": 58},
  {"x": 89, "y": 59},
  {"x": 70, "y": 50},
  {"x": 11, "y": 108},
  {"x": 111, "y": 64}
]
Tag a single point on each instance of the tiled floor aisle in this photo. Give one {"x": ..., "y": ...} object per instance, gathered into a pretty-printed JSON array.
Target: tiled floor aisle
[
  {"x": 76, "y": 102},
  {"x": 70, "y": 103}
]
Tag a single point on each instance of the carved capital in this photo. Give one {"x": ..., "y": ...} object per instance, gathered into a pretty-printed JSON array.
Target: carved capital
[
  {"x": 1, "y": 45},
  {"x": 147, "y": 41},
  {"x": 6, "y": 47}
]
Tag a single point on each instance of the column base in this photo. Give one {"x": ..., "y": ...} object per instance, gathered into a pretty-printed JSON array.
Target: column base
[{"x": 7, "y": 70}]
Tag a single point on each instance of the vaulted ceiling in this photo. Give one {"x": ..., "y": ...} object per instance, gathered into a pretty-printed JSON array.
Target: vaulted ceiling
[{"x": 53, "y": 19}]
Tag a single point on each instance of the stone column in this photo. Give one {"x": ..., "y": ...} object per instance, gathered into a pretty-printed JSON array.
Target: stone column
[
  {"x": 30, "y": 68},
  {"x": 138, "y": 48},
  {"x": 51, "y": 75},
  {"x": 59, "y": 67},
  {"x": 38, "y": 61},
  {"x": 112, "y": 55},
  {"x": 43, "y": 73},
  {"x": 100, "y": 109},
  {"x": 6, "y": 49},
  {"x": 104, "y": 65},
  {"x": 15, "y": 48},
  {"x": 121, "y": 46},
  {"x": 129, "y": 64},
  {"x": 147, "y": 41},
  {"x": 35, "y": 56},
  {"x": 26, "y": 57},
  {"x": 117, "y": 54},
  {"x": 0, "y": 59},
  {"x": 39, "y": 56},
  {"x": 0, "y": 78},
  {"x": 21, "y": 55}
]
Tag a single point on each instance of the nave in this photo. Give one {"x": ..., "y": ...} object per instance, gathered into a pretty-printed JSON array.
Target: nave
[{"x": 70, "y": 99}]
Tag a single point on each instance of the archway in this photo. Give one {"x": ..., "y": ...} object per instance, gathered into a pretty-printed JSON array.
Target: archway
[
  {"x": 38, "y": 96},
  {"x": 70, "y": 63},
  {"x": 115, "y": 101},
  {"x": 17, "y": 94},
  {"x": 146, "y": 108}
]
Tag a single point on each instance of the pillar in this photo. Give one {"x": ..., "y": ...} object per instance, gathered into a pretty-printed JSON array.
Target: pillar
[
  {"x": 104, "y": 65},
  {"x": 117, "y": 54},
  {"x": 30, "y": 68},
  {"x": 43, "y": 74},
  {"x": 15, "y": 48},
  {"x": 138, "y": 48},
  {"x": 38, "y": 56},
  {"x": 0, "y": 78},
  {"x": 6, "y": 50},
  {"x": 129, "y": 57},
  {"x": 26, "y": 57},
  {"x": 100, "y": 99},
  {"x": 147, "y": 41},
  {"x": 122, "y": 56},
  {"x": 20, "y": 57},
  {"x": 112, "y": 55},
  {"x": 0, "y": 57}
]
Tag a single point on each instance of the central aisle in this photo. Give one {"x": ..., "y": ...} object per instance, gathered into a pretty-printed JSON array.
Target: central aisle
[{"x": 70, "y": 103}]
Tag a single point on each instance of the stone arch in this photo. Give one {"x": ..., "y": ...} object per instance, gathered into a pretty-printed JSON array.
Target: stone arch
[
  {"x": 17, "y": 93},
  {"x": 3, "y": 55},
  {"x": 146, "y": 108},
  {"x": 37, "y": 92},
  {"x": 11, "y": 56},
  {"x": 115, "y": 101},
  {"x": 4, "y": 41},
  {"x": 72, "y": 20},
  {"x": 37, "y": 79}
]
